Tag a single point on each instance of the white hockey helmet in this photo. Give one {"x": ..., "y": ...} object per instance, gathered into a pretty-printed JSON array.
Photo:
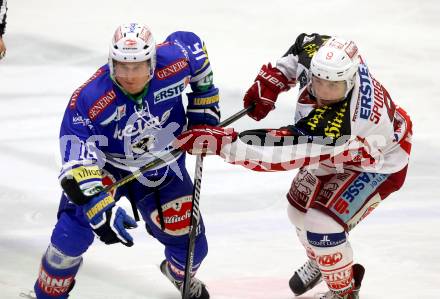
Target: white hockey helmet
[
  {"x": 132, "y": 42},
  {"x": 336, "y": 60}
]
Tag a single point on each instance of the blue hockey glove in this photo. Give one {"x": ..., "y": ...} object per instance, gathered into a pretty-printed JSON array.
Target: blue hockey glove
[
  {"x": 109, "y": 221},
  {"x": 203, "y": 107}
]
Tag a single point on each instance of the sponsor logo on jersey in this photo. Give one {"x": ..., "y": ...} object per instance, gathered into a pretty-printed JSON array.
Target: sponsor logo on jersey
[
  {"x": 327, "y": 192},
  {"x": 170, "y": 91},
  {"x": 303, "y": 189},
  {"x": 141, "y": 125},
  {"x": 333, "y": 128},
  {"x": 326, "y": 240},
  {"x": 356, "y": 109},
  {"x": 176, "y": 216},
  {"x": 378, "y": 102},
  {"x": 381, "y": 99},
  {"x": 330, "y": 121},
  {"x": 102, "y": 103},
  {"x": 80, "y": 120},
  {"x": 54, "y": 285},
  {"x": 362, "y": 187},
  {"x": 329, "y": 260},
  {"x": 172, "y": 69},
  {"x": 317, "y": 117},
  {"x": 365, "y": 92},
  {"x": 364, "y": 181},
  {"x": 338, "y": 281},
  {"x": 341, "y": 206},
  {"x": 76, "y": 93},
  {"x": 311, "y": 49},
  {"x": 206, "y": 101}
]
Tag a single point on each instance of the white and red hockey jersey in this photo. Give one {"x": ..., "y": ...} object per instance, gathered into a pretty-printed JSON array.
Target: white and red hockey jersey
[{"x": 364, "y": 132}]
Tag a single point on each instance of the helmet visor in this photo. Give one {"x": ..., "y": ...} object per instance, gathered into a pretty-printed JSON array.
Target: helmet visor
[
  {"x": 328, "y": 91},
  {"x": 139, "y": 69}
]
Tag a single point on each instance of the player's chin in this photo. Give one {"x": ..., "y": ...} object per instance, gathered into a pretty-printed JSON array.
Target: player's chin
[
  {"x": 322, "y": 102},
  {"x": 133, "y": 88}
]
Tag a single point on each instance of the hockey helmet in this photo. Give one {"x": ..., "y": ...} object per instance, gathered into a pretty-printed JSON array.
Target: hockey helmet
[
  {"x": 336, "y": 60},
  {"x": 132, "y": 42}
]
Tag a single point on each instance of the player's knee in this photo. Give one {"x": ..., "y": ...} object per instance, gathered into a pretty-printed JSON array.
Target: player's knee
[
  {"x": 319, "y": 222},
  {"x": 70, "y": 236},
  {"x": 296, "y": 217},
  {"x": 59, "y": 260},
  {"x": 201, "y": 248},
  {"x": 327, "y": 238}
]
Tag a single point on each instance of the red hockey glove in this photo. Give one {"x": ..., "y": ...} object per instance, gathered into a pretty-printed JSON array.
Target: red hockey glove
[
  {"x": 265, "y": 90},
  {"x": 204, "y": 139}
]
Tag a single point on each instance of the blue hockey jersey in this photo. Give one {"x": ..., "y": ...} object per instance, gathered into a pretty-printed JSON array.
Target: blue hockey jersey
[{"x": 103, "y": 125}]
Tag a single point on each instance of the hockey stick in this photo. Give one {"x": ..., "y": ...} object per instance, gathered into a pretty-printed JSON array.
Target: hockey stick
[
  {"x": 194, "y": 223},
  {"x": 73, "y": 191},
  {"x": 195, "y": 211}
]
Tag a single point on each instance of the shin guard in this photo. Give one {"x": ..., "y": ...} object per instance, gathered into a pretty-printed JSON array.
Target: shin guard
[{"x": 56, "y": 277}]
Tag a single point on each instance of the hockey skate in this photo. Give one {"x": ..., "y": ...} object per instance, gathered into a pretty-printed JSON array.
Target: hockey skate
[
  {"x": 305, "y": 278},
  {"x": 358, "y": 275},
  {"x": 197, "y": 289}
]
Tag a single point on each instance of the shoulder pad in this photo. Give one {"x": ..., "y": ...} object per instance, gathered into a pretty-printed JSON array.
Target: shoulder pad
[
  {"x": 170, "y": 61},
  {"x": 76, "y": 94}
]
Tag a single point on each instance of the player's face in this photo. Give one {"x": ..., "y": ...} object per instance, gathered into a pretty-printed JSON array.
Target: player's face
[
  {"x": 328, "y": 92},
  {"x": 132, "y": 76}
]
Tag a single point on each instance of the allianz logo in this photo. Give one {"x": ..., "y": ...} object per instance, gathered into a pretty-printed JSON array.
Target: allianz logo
[{"x": 140, "y": 125}]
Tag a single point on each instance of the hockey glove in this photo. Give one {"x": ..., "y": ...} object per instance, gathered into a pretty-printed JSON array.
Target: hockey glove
[
  {"x": 269, "y": 83},
  {"x": 109, "y": 221},
  {"x": 205, "y": 139},
  {"x": 203, "y": 108}
]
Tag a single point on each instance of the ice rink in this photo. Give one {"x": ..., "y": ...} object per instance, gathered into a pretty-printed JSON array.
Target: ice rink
[{"x": 54, "y": 46}]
